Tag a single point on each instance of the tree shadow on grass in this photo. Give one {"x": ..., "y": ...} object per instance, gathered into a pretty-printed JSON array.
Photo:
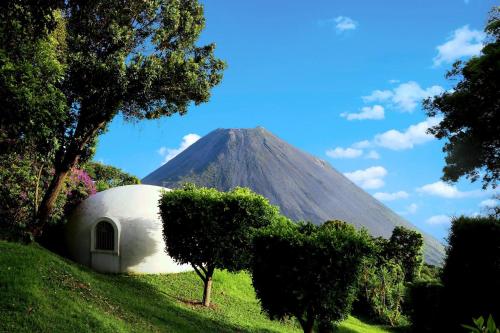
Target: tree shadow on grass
[{"x": 141, "y": 301}]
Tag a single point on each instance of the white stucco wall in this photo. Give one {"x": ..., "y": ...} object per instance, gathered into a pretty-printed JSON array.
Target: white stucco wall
[{"x": 134, "y": 211}]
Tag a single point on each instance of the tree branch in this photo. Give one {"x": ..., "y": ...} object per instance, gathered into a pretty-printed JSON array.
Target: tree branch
[{"x": 199, "y": 273}]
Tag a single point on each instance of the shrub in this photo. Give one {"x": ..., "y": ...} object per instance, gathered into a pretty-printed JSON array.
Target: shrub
[
  {"x": 471, "y": 273},
  {"x": 382, "y": 290},
  {"x": 307, "y": 271},
  {"x": 210, "y": 229},
  {"x": 24, "y": 181},
  {"x": 107, "y": 176},
  {"x": 425, "y": 304}
]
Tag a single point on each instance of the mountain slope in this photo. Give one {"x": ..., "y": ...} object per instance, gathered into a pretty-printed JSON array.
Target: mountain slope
[{"x": 303, "y": 186}]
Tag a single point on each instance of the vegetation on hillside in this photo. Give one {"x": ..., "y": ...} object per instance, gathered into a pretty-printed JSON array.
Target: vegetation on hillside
[{"x": 42, "y": 292}]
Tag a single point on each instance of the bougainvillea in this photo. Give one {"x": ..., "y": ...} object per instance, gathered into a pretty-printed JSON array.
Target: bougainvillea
[{"x": 79, "y": 186}]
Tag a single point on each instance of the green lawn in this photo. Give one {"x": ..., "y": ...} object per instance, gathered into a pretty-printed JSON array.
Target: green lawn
[{"x": 41, "y": 292}]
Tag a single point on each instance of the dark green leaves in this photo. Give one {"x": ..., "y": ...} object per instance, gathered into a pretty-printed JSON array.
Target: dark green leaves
[
  {"x": 471, "y": 115},
  {"x": 307, "y": 271},
  {"x": 206, "y": 227}
]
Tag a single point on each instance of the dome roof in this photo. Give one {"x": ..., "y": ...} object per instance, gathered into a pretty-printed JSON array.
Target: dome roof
[{"x": 138, "y": 244}]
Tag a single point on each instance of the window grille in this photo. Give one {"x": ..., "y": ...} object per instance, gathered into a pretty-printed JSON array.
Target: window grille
[{"x": 104, "y": 236}]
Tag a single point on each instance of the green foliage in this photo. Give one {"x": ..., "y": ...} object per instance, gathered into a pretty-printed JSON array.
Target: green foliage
[
  {"x": 210, "y": 229},
  {"x": 24, "y": 179},
  {"x": 31, "y": 69},
  {"x": 471, "y": 121},
  {"x": 307, "y": 271},
  {"x": 425, "y": 307},
  {"x": 490, "y": 327},
  {"x": 406, "y": 246},
  {"x": 108, "y": 176},
  {"x": 430, "y": 273},
  {"x": 471, "y": 273},
  {"x": 42, "y": 292},
  {"x": 67, "y": 68},
  {"x": 382, "y": 288}
]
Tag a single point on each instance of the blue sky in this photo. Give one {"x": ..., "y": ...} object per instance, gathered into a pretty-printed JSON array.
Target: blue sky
[{"x": 341, "y": 80}]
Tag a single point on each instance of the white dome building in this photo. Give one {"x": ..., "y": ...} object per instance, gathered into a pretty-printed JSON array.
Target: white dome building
[{"x": 120, "y": 230}]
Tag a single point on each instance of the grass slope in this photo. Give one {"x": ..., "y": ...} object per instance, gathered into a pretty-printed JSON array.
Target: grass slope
[{"x": 41, "y": 292}]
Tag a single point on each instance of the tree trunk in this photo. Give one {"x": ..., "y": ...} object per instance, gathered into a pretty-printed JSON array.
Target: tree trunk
[
  {"x": 207, "y": 291},
  {"x": 48, "y": 201},
  {"x": 67, "y": 161},
  {"x": 307, "y": 323},
  {"x": 308, "y": 327}
]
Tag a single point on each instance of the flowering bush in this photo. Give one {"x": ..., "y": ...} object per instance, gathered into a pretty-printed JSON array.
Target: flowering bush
[
  {"x": 24, "y": 180},
  {"x": 79, "y": 186}
]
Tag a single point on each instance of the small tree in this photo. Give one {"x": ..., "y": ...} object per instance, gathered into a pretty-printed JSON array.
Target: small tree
[
  {"x": 209, "y": 229},
  {"x": 307, "y": 271},
  {"x": 405, "y": 246}
]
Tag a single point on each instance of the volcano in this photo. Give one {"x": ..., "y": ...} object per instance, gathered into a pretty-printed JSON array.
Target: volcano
[{"x": 303, "y": 186}]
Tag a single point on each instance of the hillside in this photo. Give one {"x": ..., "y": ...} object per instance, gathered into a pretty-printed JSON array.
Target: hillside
[
  {"x": 41, "y": 292},
  {"x": 303, "y": 186}
]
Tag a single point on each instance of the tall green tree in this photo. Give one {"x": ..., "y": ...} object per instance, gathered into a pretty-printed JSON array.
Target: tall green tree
[
  {"x": 405, "y": 247},
  {"x": 471, "y": 114},
  {"x": 308, "y": 272},
  {"x": 209, "y": 229},
  {"x": 134, "y": 58}
]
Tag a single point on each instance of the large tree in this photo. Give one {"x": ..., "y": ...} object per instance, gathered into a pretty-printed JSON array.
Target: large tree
[
  {"x": 209, "y": 229},
  {"x": 471, "y": 114},
  {"x": 130, "y": 57},
  {"x": 307, "y": 271}
]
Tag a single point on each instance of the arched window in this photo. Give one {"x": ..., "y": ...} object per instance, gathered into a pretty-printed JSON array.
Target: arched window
[{"x": 104, "y": 236}]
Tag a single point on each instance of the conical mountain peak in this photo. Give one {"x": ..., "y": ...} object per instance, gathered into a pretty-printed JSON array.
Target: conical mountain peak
[{"x": 303, "y": 186}]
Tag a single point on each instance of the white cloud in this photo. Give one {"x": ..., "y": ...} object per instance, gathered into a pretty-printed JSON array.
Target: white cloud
[
  {"x": 340, "y": 23},
  {"x": 344, "y": 23},
  {"x": 444, "y": 190},
  {"x": 489, "y": 203},
  {"x": 385, "y": 196},
  {"x": 412, "y": 208},
  {"x": 393, "y": 81},
  {"x": 375, "y": 112},
  {"x": 344, "y": 153},
  {"x": 463, "y": 42},
  {"x": 362, "y": 144},
  {"x": 370, "y": 178},
  {"x": 406, "y": 96},
  {"x": 170, "y": 153},
  {"x": 372, "y": 155},
  {"x": 340, "y": 152},
  {"x": 378, "y": 95},
  {"x": 412, "y": 136},
  {"x": 438, "y": 220}
]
